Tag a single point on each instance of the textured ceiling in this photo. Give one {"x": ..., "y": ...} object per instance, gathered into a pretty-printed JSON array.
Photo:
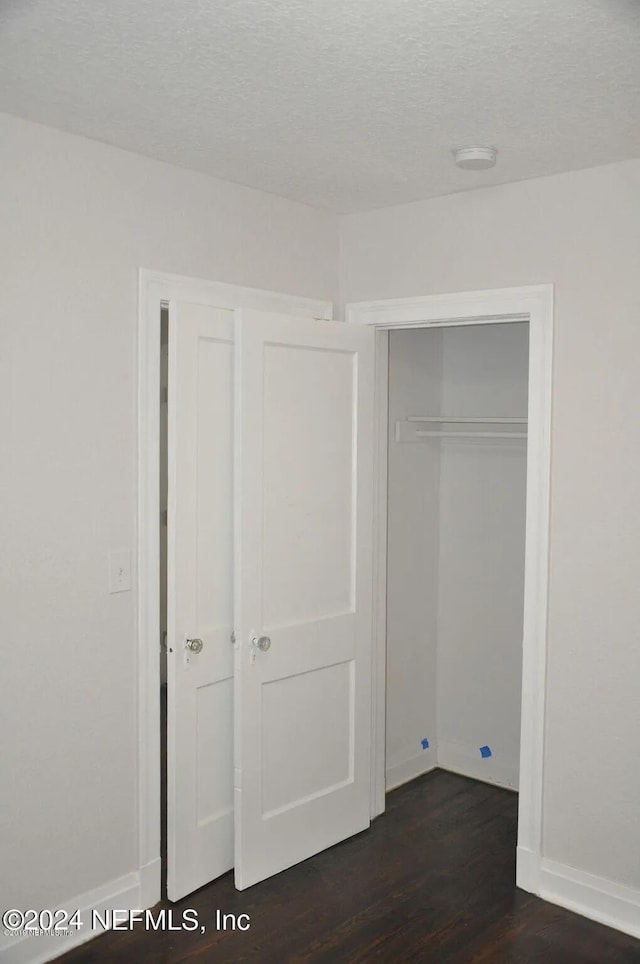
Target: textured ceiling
[{"x": 344, "y": 104}]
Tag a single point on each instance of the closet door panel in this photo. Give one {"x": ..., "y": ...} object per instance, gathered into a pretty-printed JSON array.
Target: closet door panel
[
  {"x": 304, "y": 487},
  {"x": 199, "y": 597}
]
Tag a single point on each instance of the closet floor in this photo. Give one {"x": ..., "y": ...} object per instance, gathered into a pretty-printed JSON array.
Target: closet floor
[{"x": 432, "y": 881}]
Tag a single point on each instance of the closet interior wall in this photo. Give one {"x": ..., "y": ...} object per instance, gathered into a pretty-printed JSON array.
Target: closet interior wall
[{"x": 455, "y": 579}]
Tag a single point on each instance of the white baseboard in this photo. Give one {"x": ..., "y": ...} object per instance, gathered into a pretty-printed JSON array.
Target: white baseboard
[
  {"x": 597, "y": 898},
  {"x": 527, "y": 870},
  {"x": 135, "y": 891},
  {"x": 410, "y": 769},
  {"x": 468, "y": 763},
  {"x": 150, "y": 883}
]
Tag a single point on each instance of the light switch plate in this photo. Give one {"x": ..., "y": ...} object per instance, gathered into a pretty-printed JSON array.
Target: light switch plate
[{"x": 119, "y": 564}]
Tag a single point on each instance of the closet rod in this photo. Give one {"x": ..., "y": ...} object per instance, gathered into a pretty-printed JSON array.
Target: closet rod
[
  {"x": 471, "y": 435},
  {"x": 491, "y": 420}
]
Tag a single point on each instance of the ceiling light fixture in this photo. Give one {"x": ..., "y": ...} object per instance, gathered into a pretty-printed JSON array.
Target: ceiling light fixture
[{"x": 475, "y": 158}]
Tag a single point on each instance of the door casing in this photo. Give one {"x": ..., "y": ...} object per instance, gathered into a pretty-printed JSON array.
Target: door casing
[{"x": 533, "y": 304}]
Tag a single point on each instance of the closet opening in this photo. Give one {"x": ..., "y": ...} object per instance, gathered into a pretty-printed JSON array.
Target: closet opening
[{"x": 456, "y": 492}]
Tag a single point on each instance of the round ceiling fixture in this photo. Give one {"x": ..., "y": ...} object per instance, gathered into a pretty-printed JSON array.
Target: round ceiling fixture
[{"x": 475, "y": 158}]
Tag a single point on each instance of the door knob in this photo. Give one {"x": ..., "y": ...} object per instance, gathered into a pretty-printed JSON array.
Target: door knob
[
  {"x": 195, "y": 645},
  {"x": 263, "y": 643}
]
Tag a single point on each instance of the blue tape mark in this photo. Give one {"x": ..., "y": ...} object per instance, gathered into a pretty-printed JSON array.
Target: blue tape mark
[
  {"x": 485, "y": 751},
  {"x": 424, "y": 743}
]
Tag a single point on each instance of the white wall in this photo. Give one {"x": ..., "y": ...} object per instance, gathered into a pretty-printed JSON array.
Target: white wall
[
  {"x": 481, "y": 555},
  {"x": 580, "y": 231},
  {"x": 415, "y": 360},
  {"x": 77, "y": 220}
]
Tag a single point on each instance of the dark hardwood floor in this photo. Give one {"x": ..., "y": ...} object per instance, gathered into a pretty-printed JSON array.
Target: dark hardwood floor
[{"x": 432, "y": 881}]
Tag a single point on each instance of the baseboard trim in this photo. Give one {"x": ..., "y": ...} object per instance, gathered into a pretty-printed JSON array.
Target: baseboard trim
[
  {"x": 597, "y": 898},
  {"x": 527, "y": 870},
  {"x": 468, "y": 763},
  {"x": 150, "y": 883},
  {"x": 135, "y": 891},
  {"x": 401, "y": 773}
]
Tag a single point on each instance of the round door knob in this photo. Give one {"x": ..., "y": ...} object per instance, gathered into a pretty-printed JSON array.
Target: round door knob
[
  {"x": 263, "y": 644},
  {"x": 195, "y": 645}
]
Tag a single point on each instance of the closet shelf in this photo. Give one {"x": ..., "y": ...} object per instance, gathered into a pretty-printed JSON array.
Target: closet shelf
[
  {"x": 409, "y": 429},
  {"x": 490, "y": 420},
  {"x": 470, "y": 434}
]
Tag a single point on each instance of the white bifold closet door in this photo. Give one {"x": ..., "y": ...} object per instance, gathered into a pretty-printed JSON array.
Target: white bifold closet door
[
  {"x": 199, "y": 597},
  {"x": 302, "y": 583}
]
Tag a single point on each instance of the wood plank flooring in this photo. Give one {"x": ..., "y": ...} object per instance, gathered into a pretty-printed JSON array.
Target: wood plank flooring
[{"x": 431, "y": 881}]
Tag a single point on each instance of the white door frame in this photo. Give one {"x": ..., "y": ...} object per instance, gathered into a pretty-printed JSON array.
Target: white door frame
[
  {"x": 155, "y": 289},
  {"x": 533, "y": 304}
]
